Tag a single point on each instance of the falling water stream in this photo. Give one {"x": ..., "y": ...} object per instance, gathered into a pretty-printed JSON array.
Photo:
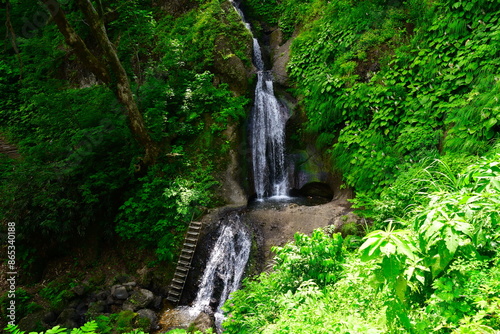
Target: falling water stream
[
  {"x": 267, "y": 131},
  {"x": 222, "y": 275},
  {"x": 225, "y": 268}
]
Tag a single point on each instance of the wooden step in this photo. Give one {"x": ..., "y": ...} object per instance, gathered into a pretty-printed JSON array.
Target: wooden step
[
  {"x": 176, "y": 280},
  {"x": 176, "y": 287},
  {"x": 174, "y": 293}
]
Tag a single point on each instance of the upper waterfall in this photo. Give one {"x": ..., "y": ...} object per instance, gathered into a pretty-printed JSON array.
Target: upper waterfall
[{"x": 267, "y": 130}]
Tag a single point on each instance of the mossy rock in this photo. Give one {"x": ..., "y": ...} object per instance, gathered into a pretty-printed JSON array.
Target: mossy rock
[
  {"x": 125, "y": 321},
  {"x": 33, "y": 322}
]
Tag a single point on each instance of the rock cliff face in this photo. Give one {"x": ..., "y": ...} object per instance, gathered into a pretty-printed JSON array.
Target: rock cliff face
[
  {"x": 280, "y": 55},
  {"x": 229, "y": 68}
]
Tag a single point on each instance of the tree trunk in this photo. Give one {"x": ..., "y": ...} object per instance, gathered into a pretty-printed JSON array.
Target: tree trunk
[{"x": 121, "y": 82}]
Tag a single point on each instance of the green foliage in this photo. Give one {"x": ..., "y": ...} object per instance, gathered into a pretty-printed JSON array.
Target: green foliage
[
  {"x": 446, "y": 250},
  {"x": 24, "y": 304},
  {"x": 67, "y": 181},
  {"x": 262, "y": 11},
  {"x": 159, "y": 211},
  {"x": 193, "y": 40},
  {"x": 392, "y": 89},
  {"x": 301, "y": 269},
  {"x": 436, "y": 270},
  {"x": 90, "y": 327},
  {"x": 317, "y": 258},
  {"x": 78, "y": 153}
]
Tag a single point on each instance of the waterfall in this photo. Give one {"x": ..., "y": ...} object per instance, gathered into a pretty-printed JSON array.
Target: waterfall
[
  {"x": 223, "y": 272},
  {"x": 267, "y": 131}
]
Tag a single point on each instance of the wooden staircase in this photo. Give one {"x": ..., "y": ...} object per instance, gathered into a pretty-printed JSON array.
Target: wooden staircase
[{"x": 184, "y": 262}]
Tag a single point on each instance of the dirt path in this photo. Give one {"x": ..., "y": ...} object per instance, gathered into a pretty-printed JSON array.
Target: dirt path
[
  {"x": 280, "y": 225},
  {"x": 8, "y": 149}
]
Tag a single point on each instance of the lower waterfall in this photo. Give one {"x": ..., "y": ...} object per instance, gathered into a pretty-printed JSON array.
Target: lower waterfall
[
  {"x": 225, "y": 268},
  {"x": 222, "y": 275}
]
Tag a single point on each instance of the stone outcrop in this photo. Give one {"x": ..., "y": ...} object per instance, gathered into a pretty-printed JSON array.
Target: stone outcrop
[
  {"x": 229, "y": 68},
  {"x": 280, "y": 55}
]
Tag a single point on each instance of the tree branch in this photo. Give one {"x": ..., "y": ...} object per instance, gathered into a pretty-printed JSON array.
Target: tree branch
[
  {"x": 74, "y": 41},
  {"x": 123, "y": 90}
]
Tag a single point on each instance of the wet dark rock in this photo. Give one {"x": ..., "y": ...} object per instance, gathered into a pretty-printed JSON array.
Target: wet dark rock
[
  {"x": 119, "y": 292},
  {"x": 150, "y": 316},
  {"x": 317, "y": 189},
  {"x": 203, "y": 322},
  {"x": 33, "y": 322},
  {"x": 68, "y": 318}
]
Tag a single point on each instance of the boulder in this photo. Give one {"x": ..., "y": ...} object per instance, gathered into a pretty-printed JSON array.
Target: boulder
[
  {"x": 119, "y": 292},
  {"x": 229, "y": 68},
  {"x": 157, "y": 303},
  {"x": 33, "y": 322},
  {"x": 130, "y": 285},
  {"x": 68, "y": 318},
  {"x": 203, "y": 322},
  {"x": 147, "y": 319},
  {"x": 141, "y": 298},
  {"x": 96, "y": 308}
]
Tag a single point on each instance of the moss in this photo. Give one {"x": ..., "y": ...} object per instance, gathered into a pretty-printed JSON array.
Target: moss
[
  {"x": 143, "y": 323},
  {"x": 125, "y": 321}
]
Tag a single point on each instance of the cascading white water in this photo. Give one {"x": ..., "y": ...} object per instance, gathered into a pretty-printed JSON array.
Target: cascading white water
[
  {"x": 226, "y": 264},
  {"x": 267, "y": 131},
  {"x": 222, "y": 275}
]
